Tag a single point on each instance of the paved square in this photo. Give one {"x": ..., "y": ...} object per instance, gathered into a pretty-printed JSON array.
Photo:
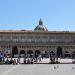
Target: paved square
[{"x": 38, "y": 69}]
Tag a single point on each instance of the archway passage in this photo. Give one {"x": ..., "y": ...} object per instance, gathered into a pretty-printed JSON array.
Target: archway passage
[
  {"x": 14, "y": 51},
  {"x": 22, "y": 52},
  {"x": 45, "y": 54},
  {"x": 52, "y": 53},
  {"x": 59, "y": 52},
  {"x": 30, "y": 53},
  {"x": 67, "y": 54},
  {"x": 37, "y": 53}
]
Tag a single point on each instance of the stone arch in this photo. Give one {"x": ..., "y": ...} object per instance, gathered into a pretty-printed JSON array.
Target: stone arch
[
  {"x": 14, "y": 51},
  {"x": 52, "y": 53},
  {"x": 22, "y": 52},
  {"x": 66, "y": 54},
  {"x": 45, "y": 54},
  {"x": 37, "y": 53},
  {"x": 30, "y": 53}
]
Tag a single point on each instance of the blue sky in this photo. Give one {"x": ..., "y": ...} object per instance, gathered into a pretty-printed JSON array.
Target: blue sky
[{"x": 57, "y": 15}]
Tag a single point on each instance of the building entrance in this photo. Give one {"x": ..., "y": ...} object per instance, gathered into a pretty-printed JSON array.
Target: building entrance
[
  {"x": 14, "y": 51},
  {"x": 59, "y": 52}
]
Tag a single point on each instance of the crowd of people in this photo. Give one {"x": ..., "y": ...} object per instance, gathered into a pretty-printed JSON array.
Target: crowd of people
[
  {"x": 25, "y": 60},
  {"x": 29, "y": 60}
]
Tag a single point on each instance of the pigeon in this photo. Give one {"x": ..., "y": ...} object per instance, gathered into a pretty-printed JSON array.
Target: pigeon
[
  {"x": 54, "y": 67},
  {"x": 72, "y": 67}
]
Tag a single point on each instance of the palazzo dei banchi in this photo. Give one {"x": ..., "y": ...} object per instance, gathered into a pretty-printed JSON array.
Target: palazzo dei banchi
[{"x": 40, "y": 41}]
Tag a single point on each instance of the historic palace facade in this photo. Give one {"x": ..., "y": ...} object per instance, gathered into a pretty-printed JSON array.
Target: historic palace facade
[{"x": 14, "y": 43}]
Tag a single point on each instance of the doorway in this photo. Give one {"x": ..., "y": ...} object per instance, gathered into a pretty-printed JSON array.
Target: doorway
[
  {"x": 59, "y": 52},
  {"x": 14, "y": 51}
]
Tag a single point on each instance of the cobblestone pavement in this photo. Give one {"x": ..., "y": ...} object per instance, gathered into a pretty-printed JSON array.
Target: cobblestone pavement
[{"x": 38, "y": 69}]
